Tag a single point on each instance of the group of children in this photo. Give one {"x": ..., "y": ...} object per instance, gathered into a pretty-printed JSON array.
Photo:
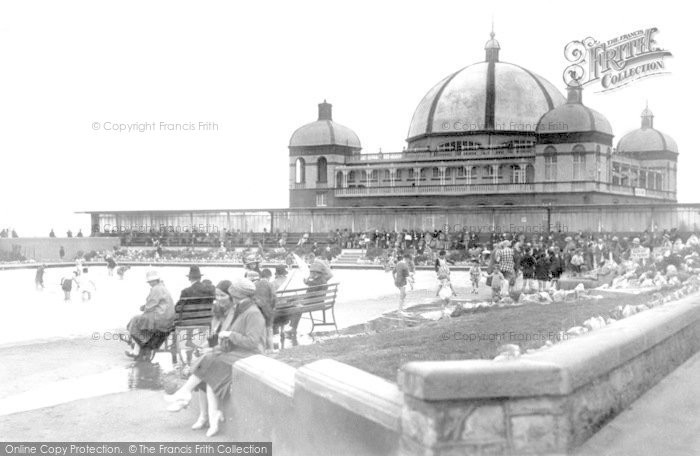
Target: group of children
[
  {"x": 82, "y": 281},
  {"x": 446, "y": 290}
]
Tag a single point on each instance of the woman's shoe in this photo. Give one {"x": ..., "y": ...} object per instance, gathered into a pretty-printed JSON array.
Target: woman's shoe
[
  {"x": 201, "y": 423},
  {"x": 178, "y": 405},
  {"x": 178, "y": 396},
  {"x": 214, "y": 426},
  {"x": 178, "y": 401}
]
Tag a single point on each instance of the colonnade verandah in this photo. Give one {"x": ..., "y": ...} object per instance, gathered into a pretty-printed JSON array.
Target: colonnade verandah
[{"x": 413, "y": 175}]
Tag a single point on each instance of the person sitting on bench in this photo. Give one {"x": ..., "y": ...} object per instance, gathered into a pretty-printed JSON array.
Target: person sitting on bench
[
  {"x": 318, "y": 275},
  {"x": 157, "y": 317}
]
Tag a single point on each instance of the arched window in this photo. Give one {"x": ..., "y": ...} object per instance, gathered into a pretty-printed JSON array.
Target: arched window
[
  {"x": 550, "y": 164},
  {"x": 300, "y": 171},
  {"x": 529, "y": 174},
  {"x": 339, "y": 179},
  {"x": 322, "y": 170}
]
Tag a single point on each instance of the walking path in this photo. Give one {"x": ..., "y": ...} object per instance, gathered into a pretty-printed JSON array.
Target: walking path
[{"x": 664, "y": 421}]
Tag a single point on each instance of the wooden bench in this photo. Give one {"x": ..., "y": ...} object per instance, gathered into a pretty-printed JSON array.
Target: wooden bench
[
  {"x": 191, "y": 314},
  {"x": 314, "y": 299}
]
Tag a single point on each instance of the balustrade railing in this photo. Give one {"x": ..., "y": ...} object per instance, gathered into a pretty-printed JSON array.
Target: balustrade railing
[{"x": 434, "y": 190}]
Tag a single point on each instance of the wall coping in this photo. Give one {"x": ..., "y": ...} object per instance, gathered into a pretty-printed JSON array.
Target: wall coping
[
  {"x": 275, "y": 374},
  {"x": 358, "y": 391},
  {"x": 558, "y": 370}
]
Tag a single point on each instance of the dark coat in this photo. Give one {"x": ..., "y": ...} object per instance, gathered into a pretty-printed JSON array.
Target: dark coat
[
  {"x": 556, "y": 267},
  {"x": 527, "y": 265},
  {"x": 200, "y": 290},
  {"x": 542, "y": 269}
]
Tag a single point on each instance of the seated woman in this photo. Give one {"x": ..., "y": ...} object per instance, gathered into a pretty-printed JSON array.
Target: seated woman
[
  {"x": 241, "y": 333},
  {"x": 157, "y": 317}
]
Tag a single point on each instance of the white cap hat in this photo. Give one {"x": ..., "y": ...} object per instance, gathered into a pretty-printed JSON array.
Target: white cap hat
[{"x": 152, "y": 276}]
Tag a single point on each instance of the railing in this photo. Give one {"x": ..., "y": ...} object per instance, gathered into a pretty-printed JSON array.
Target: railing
[
  {"x": 438, "y": 154},
  {"x": 434, "y": 190}
]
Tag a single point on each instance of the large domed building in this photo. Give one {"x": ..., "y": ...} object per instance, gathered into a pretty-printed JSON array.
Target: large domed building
[{"x": 491, "y": 133}]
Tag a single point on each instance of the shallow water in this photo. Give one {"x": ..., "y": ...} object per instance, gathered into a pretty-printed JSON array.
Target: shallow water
[{"x": 30, "y": 315}]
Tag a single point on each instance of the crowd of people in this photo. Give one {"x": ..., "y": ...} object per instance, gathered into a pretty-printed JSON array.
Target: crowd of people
[{"x": 538, "y": 261}]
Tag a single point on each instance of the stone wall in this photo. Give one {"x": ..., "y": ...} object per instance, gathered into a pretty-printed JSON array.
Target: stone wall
[{"x": 548, "y": 402}]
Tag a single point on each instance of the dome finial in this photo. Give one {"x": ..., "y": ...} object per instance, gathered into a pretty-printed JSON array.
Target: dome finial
[
  {"x": 647, "y": 117},
  {"x": 492, "y": 47}
]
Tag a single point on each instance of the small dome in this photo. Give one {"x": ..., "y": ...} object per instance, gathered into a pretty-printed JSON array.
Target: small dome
[
  {"x": 324, "y": 132},
  {"x": 573, "y": 116},
  {"x": 646, "y": 138},
  {"x": 492, "y": 43}
]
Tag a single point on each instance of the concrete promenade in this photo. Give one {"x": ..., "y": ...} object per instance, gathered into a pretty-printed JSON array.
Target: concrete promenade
[{"x": 664, "y": 421}]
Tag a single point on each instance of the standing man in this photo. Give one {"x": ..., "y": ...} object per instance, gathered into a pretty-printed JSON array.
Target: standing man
[
  {"x": 61, "y": 252},
  {"x": 504, "y": 259},
  {"x": 401, "y": 273}
]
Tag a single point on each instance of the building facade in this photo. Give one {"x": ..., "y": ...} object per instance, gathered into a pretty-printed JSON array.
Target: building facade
[{"x": 492, "y": 133}]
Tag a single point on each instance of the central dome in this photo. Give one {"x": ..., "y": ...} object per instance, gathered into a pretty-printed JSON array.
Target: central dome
[{"x": 489, "y": 96}]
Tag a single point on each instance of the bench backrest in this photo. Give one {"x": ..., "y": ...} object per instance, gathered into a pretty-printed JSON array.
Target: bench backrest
[
  {"x": 195, "y": 311},
  {"x": 319, "y": 297}
]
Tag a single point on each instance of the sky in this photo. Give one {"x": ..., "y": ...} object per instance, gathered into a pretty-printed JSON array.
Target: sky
[{"x": 73, "y": 70}]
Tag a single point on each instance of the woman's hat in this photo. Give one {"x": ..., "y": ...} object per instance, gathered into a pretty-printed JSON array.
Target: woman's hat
[
  {"x": 224, "y": 286},
  {"x": 194, "y": 273},
  {"x": 152, "y": 276},
  {"x": 242, "y": 288}
]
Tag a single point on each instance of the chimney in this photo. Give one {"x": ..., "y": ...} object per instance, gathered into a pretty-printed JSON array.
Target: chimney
[{"x": 325, "y": 111}]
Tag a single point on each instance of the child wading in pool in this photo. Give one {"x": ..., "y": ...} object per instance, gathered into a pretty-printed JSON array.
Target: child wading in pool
[
  {"x": 496, "y": 284},
  {"x": 67, "y": 285},
  {"x": 475, "y": 275},
  {"x": 445, "y": 292}
]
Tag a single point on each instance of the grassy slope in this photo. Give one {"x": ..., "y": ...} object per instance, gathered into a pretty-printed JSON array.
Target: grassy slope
[{"x": 382, "y": 353}]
